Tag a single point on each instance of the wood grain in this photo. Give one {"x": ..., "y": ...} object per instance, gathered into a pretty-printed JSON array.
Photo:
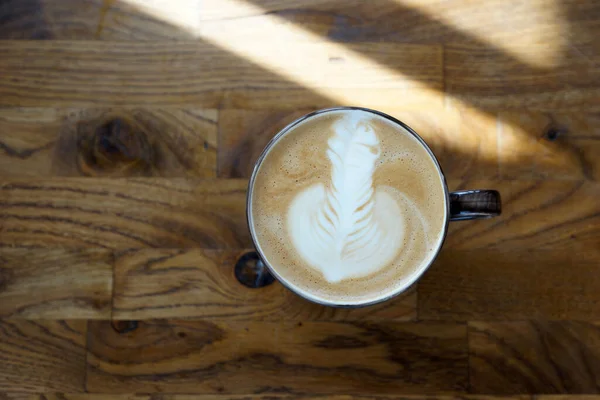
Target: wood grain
[
  {"x": 55, "y": 284},
  {"x": 76, "y": 73},
  {"x": 550, "y": 146},
  {"x": 157, "y": 283},
  {"x": 305, "y": 357},
  {"x": 128, "y": 129},
  {"x": 503, "y": 284},
  {"x": 79, "y": 20},
  {"x": 347, "y": 21},
  {"x": 487, "y": 64},
  {"x": 270, "y": 396},
  {"x": 416, "y": 21},
  {"x": 16, "y": 396},
  {"x": 536, "y": 214},
  {"x": 568, "y": 396},
  {"x": 163, "y": 142},
  {"x": 40, "y": 356},
  {"x": 463, "y": 139},
  {"x": 123, "y": 213},
  {"x": 486, "y": 79},
  {"x": 534, "y": 357}
]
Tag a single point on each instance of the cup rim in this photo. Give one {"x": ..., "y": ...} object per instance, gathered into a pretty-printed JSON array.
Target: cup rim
[{"x": 413, "y": 277}]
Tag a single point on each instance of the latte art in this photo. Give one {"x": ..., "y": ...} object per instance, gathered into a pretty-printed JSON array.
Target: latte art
[
  {"x": 347, "y": 206},
  {"x": 349, "y": 228}
]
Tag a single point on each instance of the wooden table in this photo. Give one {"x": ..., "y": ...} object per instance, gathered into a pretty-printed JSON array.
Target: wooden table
[{"x": 128, "y": 130}]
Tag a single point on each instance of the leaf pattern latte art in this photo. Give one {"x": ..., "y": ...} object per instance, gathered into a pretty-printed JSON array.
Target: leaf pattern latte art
[{"x": 349, "y": 228}]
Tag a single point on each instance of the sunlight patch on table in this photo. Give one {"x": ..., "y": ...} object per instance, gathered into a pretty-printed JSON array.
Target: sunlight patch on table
[
  {"x": 335, "y": 71},
  {"x": 534, "y": 32}
]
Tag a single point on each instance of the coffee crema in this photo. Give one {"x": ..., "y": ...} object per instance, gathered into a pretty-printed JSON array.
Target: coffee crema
[{"x": 347, "y": 206}]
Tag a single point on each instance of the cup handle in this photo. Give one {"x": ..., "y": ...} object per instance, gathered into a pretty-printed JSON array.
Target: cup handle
[{"x": 474, "y": 204}]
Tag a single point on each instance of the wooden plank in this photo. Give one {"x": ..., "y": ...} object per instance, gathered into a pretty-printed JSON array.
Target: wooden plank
[
  {"x": 534, "y": 357},
  {"x": 568, "y": 397},
  {"x": 41, "y": 356},
  {"x": 168, "y": 142},
  {"x": 494, "y": 24},
  {"x": 506, "y": 35},
  {"x": 269, "y": 396},
  {"x": 77, "y": 20},
  {"x": 432, "y": 21},
  {"x": 550, "y": 146},
  {"x": 55, "y": 284},
  {"x": 284, "y": 357},
  {"x": 494, "y": 58},
  {"x": 549, "y": 215},
  {"x": 17, "y": 396},
  {"x": 124, "y": 213},
  {"x": 153, "y": 283},
  {"x": 315, "y": 73},
  {"x": 488, "y": 79},
  {"x": 463, "y": 139},
  {"x": 503, "y": 284},
  {"x": 272, "y": 396},
  {"x": 185, "y": 213}
]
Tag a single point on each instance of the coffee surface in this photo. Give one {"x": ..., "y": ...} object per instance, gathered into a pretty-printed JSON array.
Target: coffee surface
[{"x": 347, "y": 206}]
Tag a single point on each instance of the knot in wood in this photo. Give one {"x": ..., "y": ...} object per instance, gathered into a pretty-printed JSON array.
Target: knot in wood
[
  {"x": 114, "y": 147},
  {"x": 123, "y": 327}
]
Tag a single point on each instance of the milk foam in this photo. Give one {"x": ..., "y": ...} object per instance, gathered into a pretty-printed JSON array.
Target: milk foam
[
  {"x": 325, "y": 239},
  {"x": 349, "y": 228}
]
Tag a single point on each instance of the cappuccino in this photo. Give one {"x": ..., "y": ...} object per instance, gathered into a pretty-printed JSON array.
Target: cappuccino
[{"x": 347, "y": 206}]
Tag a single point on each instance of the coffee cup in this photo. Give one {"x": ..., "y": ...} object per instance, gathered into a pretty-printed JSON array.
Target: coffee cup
[{"x": 348, "y": 206}]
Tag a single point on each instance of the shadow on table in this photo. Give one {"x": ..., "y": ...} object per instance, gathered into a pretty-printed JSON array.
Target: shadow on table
[{"x": 477, "y": 73}]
